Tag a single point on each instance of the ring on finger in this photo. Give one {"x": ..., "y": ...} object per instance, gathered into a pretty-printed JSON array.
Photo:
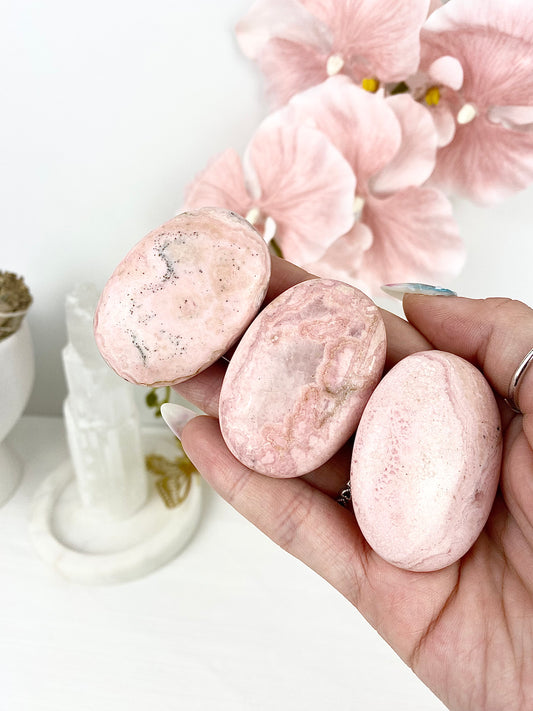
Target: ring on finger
[
  {"x": 345, "y": 496},
  {"x": 512, "y": 394}
]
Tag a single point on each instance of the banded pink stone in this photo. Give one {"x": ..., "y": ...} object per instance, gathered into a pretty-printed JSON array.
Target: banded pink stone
[{"x": 300, "y": 377}]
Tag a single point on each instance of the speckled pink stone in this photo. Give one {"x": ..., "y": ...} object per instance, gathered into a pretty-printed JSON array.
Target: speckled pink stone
[
  {"x": 182, "y": 296},
  {"x": 300, "y": 377},
  {"x": 426, "y": 461}
]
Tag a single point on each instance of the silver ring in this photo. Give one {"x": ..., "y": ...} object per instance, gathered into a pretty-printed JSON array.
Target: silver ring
[
  {"x": 512, "y": 395},
  {"x": 345, "y": 496}
]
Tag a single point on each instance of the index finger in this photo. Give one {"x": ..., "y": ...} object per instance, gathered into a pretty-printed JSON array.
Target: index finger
[{"x": 494, "y": 334}]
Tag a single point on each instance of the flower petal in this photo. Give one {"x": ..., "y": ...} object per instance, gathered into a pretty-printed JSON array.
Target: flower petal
[
  {"x": 379, "y": 39},
  {"x": 282, "y": 19},
  {"x": 447, "y": 71},
  {"x": 444, "y": 123},
  {"x": 307, "y": 187},
  {"x": 435, "y": 5},
  {"x": 290, "y": 67},
  {"x": 415, "y": 160},
  {"x": 493, "y": 41},
  {"x": 415, "y": 239},
  {"x": 361, "y": 125},
  {"x": 485, "y": 162},
  {"x": 512, "y": 17},
  {"x": 342, "y": 260},
  {"x": 220, "y": 184},
  {"x": 517, "y": 118}
]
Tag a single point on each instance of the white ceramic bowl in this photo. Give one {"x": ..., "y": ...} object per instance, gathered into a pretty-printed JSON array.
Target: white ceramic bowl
[{"x": 17, "y": 372}]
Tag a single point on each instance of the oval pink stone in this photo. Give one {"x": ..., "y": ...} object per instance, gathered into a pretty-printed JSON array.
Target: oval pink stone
[
  {"x": 426, "y": 461},
  {"x": 182, "y": 296},
  {"x": 303, "y": 371}
]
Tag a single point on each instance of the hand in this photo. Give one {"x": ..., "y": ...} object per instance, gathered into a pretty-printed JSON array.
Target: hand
[{"x": 466, "y": 630}]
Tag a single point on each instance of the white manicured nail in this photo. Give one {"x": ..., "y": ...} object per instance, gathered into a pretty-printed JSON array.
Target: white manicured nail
[
  {"x": 176, "y": 417},
  {"x": 399, "y": 290}
]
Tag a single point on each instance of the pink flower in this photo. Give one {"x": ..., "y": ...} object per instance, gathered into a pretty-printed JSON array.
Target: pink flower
[
  {"x": 478, "y": 60},
  {"x": 292, "y": 183},
  {"x": 403, "y": 232},
  {"x": 299, "y": 43}
]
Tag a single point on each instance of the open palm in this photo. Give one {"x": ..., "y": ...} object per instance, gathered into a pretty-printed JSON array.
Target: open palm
[{"x": 466, "y": 630}]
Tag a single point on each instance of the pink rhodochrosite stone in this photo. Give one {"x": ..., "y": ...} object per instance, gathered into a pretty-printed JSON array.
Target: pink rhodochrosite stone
[
  {"x": 426, "y": 461},
  {"x": 182, "y": 296},
  {"x": 301, "y": 376}
]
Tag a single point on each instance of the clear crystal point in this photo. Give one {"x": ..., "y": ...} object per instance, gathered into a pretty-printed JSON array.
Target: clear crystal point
[{"x": 101, "y": 419}]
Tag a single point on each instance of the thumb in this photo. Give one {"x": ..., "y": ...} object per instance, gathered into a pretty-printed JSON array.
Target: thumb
[{"x": 494, "y": 334}]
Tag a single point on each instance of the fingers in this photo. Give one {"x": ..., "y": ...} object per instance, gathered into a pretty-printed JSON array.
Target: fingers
[
  {"x": 331, "y": 478},
  {"x": 494, "y": 334},
  {"x": 296, "y": 516},
  {"x": 204, "y": 389},
  {"x": 325, "y": 536},
  {"x": 284, "y": 274},
  {"x": 402, "y": 339}
]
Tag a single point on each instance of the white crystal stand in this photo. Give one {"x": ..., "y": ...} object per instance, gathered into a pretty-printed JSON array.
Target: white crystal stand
[
  {"x": 99, "y": 518},
  {"x": 101, "y": 419},
  {"x": 75, "y": 541}
]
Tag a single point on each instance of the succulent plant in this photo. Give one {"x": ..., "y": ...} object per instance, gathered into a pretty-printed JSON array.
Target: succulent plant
[{"x": 15, "y": 300}]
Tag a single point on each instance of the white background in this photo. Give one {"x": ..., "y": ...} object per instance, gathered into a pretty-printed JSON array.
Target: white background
[{"x": 109, "y": 110}]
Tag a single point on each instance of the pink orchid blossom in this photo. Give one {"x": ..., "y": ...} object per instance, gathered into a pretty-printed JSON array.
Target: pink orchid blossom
[
  {"x": 477, "y": 57},
  {"x": 299, "y": 43},
  {"x": 403, "y": 232},
  {"x": 292, "y": 183}
]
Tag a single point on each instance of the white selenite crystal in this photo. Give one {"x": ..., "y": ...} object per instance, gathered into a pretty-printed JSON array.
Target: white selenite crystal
[{"x": 101, "y": 418}]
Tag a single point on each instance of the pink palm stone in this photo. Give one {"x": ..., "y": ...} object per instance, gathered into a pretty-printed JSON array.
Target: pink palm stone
[
  {"x": 301, "y": 376},
  {"x": 426, "y": 461},
  {"x": 182, "y": 296}
]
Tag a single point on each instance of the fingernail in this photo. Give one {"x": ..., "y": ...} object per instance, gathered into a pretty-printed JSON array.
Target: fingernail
[
  {"x": 399, "y": 290},
  {"x": 176, "y": 417}
]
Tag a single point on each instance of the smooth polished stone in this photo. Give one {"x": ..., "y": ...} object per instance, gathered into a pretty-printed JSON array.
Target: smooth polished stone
[
  {"x": 182, "y": 296},
  {"x": 426, "y": 461},
  {"x": 300, "y": 377}
]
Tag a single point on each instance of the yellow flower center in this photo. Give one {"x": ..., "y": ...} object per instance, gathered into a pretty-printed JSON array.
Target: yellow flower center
[
  {"x": 370, "y": 84},
  {"x": 432, "y": 96}
]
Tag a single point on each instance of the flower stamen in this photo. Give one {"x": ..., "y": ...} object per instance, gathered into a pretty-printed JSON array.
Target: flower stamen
[
  {"x": 432, "y": 96},
  {"x": 358, "y": 205},
  {"x": 253, "y": 215},
  {"x": 265, "y": 225},
  {"x": 370, "y": 84},
  {"x": 467, "y": 113},
  {"x": 269, "y": 230},
  {"x": 334, "y": 64}
]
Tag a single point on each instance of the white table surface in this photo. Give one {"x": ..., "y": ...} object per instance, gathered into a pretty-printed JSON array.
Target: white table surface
[{"x": 233, "y": 623}]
